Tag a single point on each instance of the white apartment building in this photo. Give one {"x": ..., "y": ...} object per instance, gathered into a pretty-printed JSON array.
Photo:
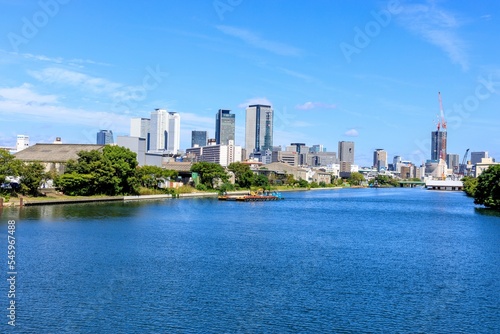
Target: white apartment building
[{"x": 22, "y": 142}]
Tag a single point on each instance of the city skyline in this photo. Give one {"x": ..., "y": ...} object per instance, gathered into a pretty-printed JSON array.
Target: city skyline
[{"x": 366, "y": 72}]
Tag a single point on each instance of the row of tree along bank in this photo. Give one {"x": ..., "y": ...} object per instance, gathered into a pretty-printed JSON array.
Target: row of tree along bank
[
  {"x": 114, "y": 171},
  {"x": 485, "y": 189}
]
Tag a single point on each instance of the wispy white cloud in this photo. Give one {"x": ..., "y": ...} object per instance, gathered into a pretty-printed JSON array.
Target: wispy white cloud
[
  {"x": 296, "y": 74},
  {"x": 88, "y": 84},
  {"x": 259, "y": 42},
  {"x": 315, "y": 105},
  {"x": 24, "y": 94},
  {"x": 351, "y": 133},
  {"x": 438, "y": 27},
  {"x": 78, "y": 62},
  {"x": 255, "y": 100},
  {"x": 54, "y": 75},
  {"x": 27, "y": 104}
]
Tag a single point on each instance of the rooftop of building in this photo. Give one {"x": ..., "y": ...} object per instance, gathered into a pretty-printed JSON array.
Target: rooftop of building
[
  {"x": 281, "y": 167},
  {"x": 54, "y": 152},
  {"x": 178, "y": 166}
]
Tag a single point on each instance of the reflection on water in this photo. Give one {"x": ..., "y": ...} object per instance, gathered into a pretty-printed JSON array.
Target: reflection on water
[
  {"x": 487, "y": 212},
  {"x": 351, "y": 260}
]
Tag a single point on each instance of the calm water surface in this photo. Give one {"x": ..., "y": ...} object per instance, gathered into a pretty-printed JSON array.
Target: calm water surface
[{"x": 334, "y": 261}]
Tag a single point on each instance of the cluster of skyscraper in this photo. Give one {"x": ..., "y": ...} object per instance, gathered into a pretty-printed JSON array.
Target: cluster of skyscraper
[
  {"x": 222, "y": 149},
  {"x": 162, "y": 131}
]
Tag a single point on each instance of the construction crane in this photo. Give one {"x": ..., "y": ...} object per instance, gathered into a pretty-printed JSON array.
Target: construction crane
[
  {"x": 441, "y": 136},
  {"x": 463, "y": 166},
  {"x": 442, "y": 124}
]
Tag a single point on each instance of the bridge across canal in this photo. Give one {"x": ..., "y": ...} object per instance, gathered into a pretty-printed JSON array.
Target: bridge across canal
[{"x": 411, "y": 184}]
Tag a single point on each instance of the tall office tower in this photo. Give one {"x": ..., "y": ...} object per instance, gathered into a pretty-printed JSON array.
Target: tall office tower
[
  {"x": 174, "y": 132},
  {"x": 258, "y": 128},
  {"x": 380, "y": 159},
  {"x": 22, "y": 142},
  {"x": 396, "y": 163},
  {"x": 140, "y": 127},
  {"x": 438, "y": 145},
  {"x": 158, "y": 130},
  {"x": 224, "y": 126},
  {"x": 452, "y": 162},
  {"x": 475, "y": 157},
  {"x": 198, "y": 138},
  {"x": 105, "y": 137},
  {"x": 346, "y": 151}
]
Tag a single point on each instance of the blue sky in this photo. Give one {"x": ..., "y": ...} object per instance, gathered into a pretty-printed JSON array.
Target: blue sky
[{"x": 366, "y": 71}]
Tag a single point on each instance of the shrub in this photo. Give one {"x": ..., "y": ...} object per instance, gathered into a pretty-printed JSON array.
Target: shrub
[{"x": 201, "y": 187}]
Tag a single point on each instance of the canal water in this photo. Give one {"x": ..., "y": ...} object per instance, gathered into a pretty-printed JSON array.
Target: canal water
[{"x": 327, "y": 261}]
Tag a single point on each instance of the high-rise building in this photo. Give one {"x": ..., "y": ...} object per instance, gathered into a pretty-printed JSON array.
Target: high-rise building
[
  {"x": 346, "y": 151},
  {"x": 475, "y": 157},
  {"x": 174, "y": 132},
  {"x": 224, "y": 126},
  {"x": 140, "y": 127},
  {"x": 165, "y": 131},
  {"x": 438, "y": 145},
  {"x": 198, "y": 138},
  {"x": 396, "y": 163},
  {"x": 105, "y": 137},
  {"x": 452, "y": 162},
  {"x": 158, "y": 130},
  {"x": 258, "y": 128},
  {"x": 22, "y": 142},
  {"x": 380, "y": 159}
]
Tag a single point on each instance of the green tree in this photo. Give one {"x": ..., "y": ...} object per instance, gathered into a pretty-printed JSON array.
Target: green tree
[
  {"x": 243, "y": 175},
  {"x": 210, "y": 173},
  {"x": 290, "y": 180},
  {"x": 149, "y": 176},
  {"x": 356, "y": 179},
  {"x": 9, "y": 165},
  {"x": 384, "y": 180},
  {"x": 487, "y": 191},
  {"x": 261, "y": 181},
  {"x": 470, "y": 184},
  {"x": 303, "y": 183},
  {"x": 124, "y": 163},
  {"x": 225, "y": 187},
  {"x": 32, "y": 175},
  {"x": 107, "y": 172},
  {"x": 74, "y": 184},
  {"x": 339, "y": 182}
]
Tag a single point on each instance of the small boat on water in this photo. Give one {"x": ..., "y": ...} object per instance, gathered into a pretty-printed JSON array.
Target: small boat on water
[{"x": 253, "y": 197}]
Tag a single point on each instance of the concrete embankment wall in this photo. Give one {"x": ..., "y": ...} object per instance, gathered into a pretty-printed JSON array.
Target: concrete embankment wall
[{"x": 28, "y": 202}]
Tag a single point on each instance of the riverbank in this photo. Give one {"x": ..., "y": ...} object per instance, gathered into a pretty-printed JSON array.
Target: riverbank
[{"x": 62, "y": 199}]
